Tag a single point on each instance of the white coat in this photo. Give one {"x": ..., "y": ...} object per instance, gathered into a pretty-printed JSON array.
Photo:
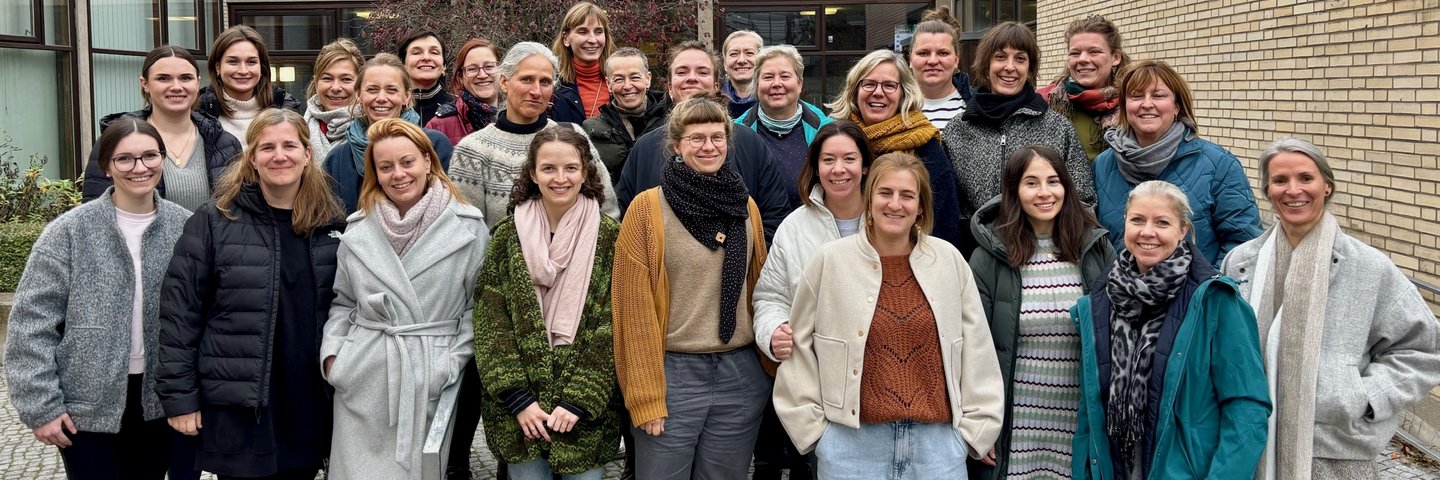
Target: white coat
[{"x": 797, "y": 239}]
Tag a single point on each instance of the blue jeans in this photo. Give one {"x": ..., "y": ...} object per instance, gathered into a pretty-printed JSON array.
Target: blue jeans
[
  {"x": 902, "y": 450},
  {"x": 539, "y": 469}
]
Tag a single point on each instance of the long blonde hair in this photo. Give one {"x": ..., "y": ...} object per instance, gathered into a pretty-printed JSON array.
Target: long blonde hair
[
  {"x": 370, "y": 190},
  {"x": 315, "y": 205},
  {"x": 911, "y": 99}
]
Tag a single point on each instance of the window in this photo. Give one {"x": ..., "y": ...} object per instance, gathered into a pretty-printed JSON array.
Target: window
[
  {"x": 37, "y": 111},
  {"x": 295, "y": 33}
]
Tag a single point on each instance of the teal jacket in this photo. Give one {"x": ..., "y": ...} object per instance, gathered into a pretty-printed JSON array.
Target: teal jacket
[
  {"x": 811, "y": 117},
  {"x": 1214, "y": 404}
]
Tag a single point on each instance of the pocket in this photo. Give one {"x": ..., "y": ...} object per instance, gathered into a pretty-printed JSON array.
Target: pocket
[
  {"x": 1340, "y": 397},
  {"x": 833, "y": 358},
  {"x": 81, "y": 360},
  {"x": 954, "y": 378}
]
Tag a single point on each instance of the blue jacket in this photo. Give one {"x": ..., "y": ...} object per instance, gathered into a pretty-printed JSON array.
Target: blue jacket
[
  {"x": 1223, "y": 206},
  {"x": 811, "y": 117},
  {"x": 346, "y": 170},
  {"x": 738, "y": 106},
  {"x": 565, "y": 105},
  {"x": 1209, "y": 398}
]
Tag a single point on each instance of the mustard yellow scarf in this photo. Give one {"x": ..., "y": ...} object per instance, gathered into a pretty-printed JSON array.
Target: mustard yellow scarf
[{"x": 900, "y": 133}]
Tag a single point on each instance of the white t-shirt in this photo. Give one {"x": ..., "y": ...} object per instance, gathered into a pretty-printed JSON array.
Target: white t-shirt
[{"x": 132, "y": 227}]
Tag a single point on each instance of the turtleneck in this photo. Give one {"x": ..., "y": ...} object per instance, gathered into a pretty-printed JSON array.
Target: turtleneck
[
  {"x": 427, "y": 93},
  {"x": 591, "y": 85},
  {"x": 242, "y": 112},
  {"x": 503, "y": 123}
]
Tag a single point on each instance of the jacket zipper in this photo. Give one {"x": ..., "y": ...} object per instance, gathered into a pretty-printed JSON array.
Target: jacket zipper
[{"x": 270, "y": 326}]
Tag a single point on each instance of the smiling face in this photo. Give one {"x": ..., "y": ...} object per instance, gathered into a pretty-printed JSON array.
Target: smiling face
[
  {"x": 1153, "y": 229},
  {"x": 171, "y": 85},
  {"x": 740, "y": 59},
  {"x": 882, "y": 99},
  {"x": 1091, "y": 61},
  {"x": 933, "y": 59},
  {"x": 280, "y": 157},
  {"x": 559, "y": 174},
  {"x": 402, "y": 170},
  {"x": 778, "y": 86},
  {"x": 628, "y": 81},
  {"x": 479, "y": 68},
  {"x": 240, "y": 70},
  {"x": 527, "y": 94},
  {"x": 424, "y": 61},
  {"x": 1151, "y": 112},
  {"x": 139, "y": 182},
  {"x": 336, "y": 85},
  {"x": 587, "y": 40},
  {"x": 383, "y": 95},
  {"x": 1009, "y": 70},
  {"x": 1041, "y": 195},
  {"x": 840, "y": 169},
  {"x": 691, "y": 72},
  {"x": 895, "y": 204},
  {"x": 702, "y": 146},
  {"x": 1298, "y": 191}
]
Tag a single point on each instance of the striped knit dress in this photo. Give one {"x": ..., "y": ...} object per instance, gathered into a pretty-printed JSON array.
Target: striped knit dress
[{"x": 1047, "y": 367}]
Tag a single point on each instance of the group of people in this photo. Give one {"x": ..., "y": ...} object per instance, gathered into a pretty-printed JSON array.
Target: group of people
[{"x": 944, "y": 272}]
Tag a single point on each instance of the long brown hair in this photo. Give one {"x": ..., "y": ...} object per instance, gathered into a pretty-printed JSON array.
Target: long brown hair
[
  {"x": 370, "y": 190},
  {"x": 525, "y": 187},
  {"x": 810, "y": 172},
  {"x": 226, "y": 39},
  {"x": 315, "y": 205},
  {"x": 1071, "y": 226}
]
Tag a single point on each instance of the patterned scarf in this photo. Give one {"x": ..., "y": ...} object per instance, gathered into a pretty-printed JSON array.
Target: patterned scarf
[
  {"x": 477, "y": 113},
  {"x": 900, "y": 133},
  {"x": 335, "y": 122},
  {"x": 713, "y": 208},
  {"x": 359, "y": 141},
  {"x": 403, "y": 230},
  {"x": 1140, "y": 301}
]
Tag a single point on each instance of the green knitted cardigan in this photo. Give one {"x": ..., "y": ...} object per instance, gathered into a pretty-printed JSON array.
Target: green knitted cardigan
[{"x": 512, "y": 351}]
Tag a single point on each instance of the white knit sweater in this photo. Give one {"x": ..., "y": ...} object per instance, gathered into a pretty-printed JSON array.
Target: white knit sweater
[{"x": 486, "y": 163}]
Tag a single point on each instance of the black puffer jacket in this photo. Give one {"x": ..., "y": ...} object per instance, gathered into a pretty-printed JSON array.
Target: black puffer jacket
[
  {"x": 209, "y": 103},
  {"x": 611, "y": 138},
  {"x": 220, "y": 148},
  {"x": 219, "y": 302}
]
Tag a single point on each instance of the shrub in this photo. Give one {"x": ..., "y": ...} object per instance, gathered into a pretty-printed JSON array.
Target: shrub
[
  {"x": 15, "y": 242},
  {"x": 26, "y": 196}
]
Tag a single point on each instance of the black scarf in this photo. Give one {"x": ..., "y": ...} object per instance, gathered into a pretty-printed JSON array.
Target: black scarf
[
  {"x": 991, "y": 109},
  {"x": 477, "y": 113},
  {"x": 1139, "y": 303},
  {"x": 713, "y": 208}
]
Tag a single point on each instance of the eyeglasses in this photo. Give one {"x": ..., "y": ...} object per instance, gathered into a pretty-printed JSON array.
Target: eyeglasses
[
  {"x": 887, "y": 87},
  {"x": 126, "y": 163},
  {"x": 698, "y": 141},
  {"x": 473, "y": 70}
]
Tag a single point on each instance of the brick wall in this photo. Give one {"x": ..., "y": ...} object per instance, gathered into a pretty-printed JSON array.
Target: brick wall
[{"x": 1360, "y": 78}]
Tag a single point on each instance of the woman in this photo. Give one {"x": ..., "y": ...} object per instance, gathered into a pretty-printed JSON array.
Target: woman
[
  {"x": 581, "y": 48},
  {"x": 1164, "y": 337},
  {"x": 476, "y": 93},
  {"x": 1158, "y": 139},
  {"x": 332, "y": 95},
  {"x": 240, "y": 66},
  {"x": 1006, "y": 114},
  {"x": 488, "y": 161},
  {"x": 200, "y": 149},
  {"x": 779, "y": 110},
  {"x": 882, "y": 97},
  {"x": 1040, "y": 250},
  {"x": 739, "y": 50},
  {"x": 242, "y": 307},
  {"x": 867, "y": 410},
  {"x": 1086, "y": 92},
  {"x": 399, "y": 331},
  {"x": 382, "y": 91},
  {"x": 684, "y": 357},
  {"x": 1349, "y": 342},
  {"x": 80, "y": 360},
  {"x": 424, "y": 58},
  {"x": 633, "y": 111},
  {"x": 542, "y": 330},
  {"x": 935, "y": 60}
]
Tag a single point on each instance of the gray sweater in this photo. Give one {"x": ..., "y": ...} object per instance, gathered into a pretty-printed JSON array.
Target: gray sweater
[
  {"x": 979, "y": 153},
  {"x": 69, "y": 333}
]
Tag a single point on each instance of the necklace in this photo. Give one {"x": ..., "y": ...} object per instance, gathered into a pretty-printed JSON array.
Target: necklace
[{"x": 176, "y": 158}]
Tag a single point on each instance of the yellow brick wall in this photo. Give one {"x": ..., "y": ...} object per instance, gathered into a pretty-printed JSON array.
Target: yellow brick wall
[{"x": 1360, "y": 78}]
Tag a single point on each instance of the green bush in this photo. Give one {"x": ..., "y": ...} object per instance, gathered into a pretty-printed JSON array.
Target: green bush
[{"x": 15, "y": 242}]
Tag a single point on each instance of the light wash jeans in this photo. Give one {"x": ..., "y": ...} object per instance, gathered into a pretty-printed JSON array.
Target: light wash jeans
[
  {"x": 902, "y": 450},
  {"x": 539, "y": 469}
]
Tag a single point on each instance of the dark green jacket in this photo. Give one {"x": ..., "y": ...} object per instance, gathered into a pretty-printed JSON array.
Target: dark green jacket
[
  {"x": 513, "y": 353},
  {"x": 999, "y": 285}
]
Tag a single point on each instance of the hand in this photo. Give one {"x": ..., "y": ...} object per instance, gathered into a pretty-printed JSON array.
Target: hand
[
  {"x": 561, "y": 420},
  {"x": 782, "y": 341},
  {"x": 53, "y": 433},
  {"x": 532, "y": 422},
  {"x": 989, "y": 458},
  {"x": 330, "y": 360},
  {"x": 654, "y": 427},
  {"x": 188, "y": 424}
]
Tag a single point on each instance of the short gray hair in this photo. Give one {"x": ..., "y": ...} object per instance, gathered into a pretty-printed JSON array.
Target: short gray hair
[
  {"x": 522, "y": 51},
  {"x": 786, "y": 52},
  {"x": 628, "y": 52},
  {"x": 1296, "y": 145},
  {"x": 1179, "y": 202}
]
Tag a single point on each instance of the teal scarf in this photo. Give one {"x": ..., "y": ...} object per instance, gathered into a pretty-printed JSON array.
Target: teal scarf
[
  {"x": 781, "y": 127},
  {"x": 359, "y": 141}
]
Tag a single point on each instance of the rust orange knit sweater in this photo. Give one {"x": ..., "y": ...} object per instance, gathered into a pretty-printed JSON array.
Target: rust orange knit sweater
[
  {"x": 590, "y": 82},
  {"x": 904, "y": 375}
]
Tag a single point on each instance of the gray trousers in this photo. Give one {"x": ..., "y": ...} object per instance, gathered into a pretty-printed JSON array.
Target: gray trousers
[{"x": 714, "y": 402}]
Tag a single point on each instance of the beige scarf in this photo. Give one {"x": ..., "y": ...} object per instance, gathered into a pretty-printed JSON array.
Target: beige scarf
[
  {"x": 560, "y": 267},
  {"x": 402, "y": 231},
  {"x": 1302, "y": 313}
]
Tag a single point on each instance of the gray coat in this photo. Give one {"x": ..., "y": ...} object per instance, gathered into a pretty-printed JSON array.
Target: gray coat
[
  {"x": 1378, "y": 354},
  {"x": 400, "y": 332},
  {"x": 979, "y": 153},
  {"x": 69, "y": 333}
]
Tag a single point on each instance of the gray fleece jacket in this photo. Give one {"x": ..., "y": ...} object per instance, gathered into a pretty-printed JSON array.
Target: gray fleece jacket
[{"x": 69, "y": 333}]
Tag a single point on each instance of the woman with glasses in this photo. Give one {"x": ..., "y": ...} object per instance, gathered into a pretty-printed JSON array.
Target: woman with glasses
[
  {"x": 82, "y": 337},
  {"x": 240, "y": 84},
  {"x": 581, "y": 48},
  {"x": 881, "y": 95},
  {"x": 476, "y": 92}
]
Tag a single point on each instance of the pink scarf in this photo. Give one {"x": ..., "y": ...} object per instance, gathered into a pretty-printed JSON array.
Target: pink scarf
[
  {"x": 403, "y": 231},
  {"x": 560, "y": 289}
]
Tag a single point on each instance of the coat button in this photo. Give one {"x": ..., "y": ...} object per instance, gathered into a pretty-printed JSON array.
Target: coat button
[
  {"x": 1093, "y": 461},
  {"x": 875, "y": 266},
  {"x": 852, "y": 411},
  {"x": 869, "y": 299},
  {"x": 861, "y": 333},
  {"x": 856, "y": 371}
]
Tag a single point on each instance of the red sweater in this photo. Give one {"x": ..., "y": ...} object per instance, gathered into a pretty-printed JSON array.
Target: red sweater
[{"x": 593, "y": 91}]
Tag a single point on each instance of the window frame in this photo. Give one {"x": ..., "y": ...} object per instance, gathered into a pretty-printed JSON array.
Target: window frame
[{"x": 37, "y": 27}]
